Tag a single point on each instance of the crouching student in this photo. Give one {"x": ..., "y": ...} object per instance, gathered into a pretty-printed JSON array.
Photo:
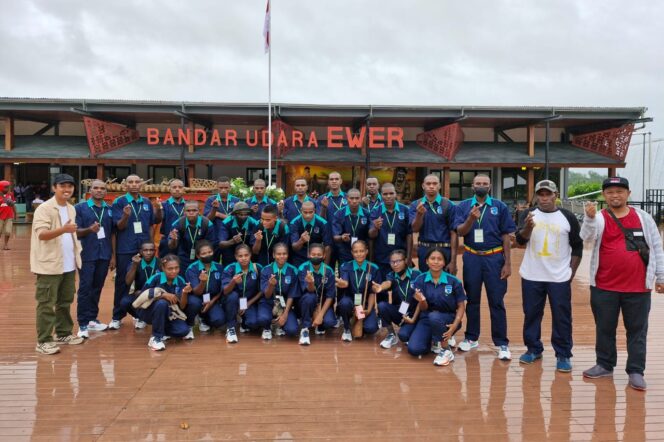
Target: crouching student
[
  {"x": 441, "y": 299},
  {"x": 317, "y": 293},
  {"x": 359, "y": 298},
  {"x": 204, "y": 275},
  {"x": 243, "y": 278},
  {"x": 143, "y": 266},
  {"x": 279, "y": 283},
  {"x": 400, "y": 308},
  {"x": 164, "y": 296}
]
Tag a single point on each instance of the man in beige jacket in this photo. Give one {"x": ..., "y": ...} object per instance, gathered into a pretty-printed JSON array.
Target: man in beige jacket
[{"x": 55, "y": 254}]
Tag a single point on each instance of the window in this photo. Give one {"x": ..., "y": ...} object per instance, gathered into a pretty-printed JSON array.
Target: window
[
  {"x": 161, "y": 173},
  {"x": 117, "y": 172},
  {"x": 461, "y": 182},
  {"x": 254, "y": 174}
]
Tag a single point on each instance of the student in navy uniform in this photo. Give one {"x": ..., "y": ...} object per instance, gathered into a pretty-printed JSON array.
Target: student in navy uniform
[
  {"x": 400, "y": 308},
  {"x": 269, "y": 233},
  {"x": 94, "y": 221},
  {"x": 318, "y": 292},
  {"x": 279, "y": 283},
  {"x": 134, "y": 220},
  {"x": 157, "y": 314},
  {"x": 485, "y": 224},
  {"x": 259, "y": 201},
  {"x": 204, "y": 275},
  {"x": 349, "y": 225},
  {"x": 372, "y": 200},
  {"x": 236, "y": 229},
  {"x": 293, "y": 204},
  {"x": 142, "y": 267},
  {"x": 170, "y": 211},
  {"x": 441, "y": 301},
  {"x": 307, "y": 229},
  {"x": 433, "y": 218},
  {"x": 186, "y": 231},
  {"x": 220, "y": 206},
  {"x": 243, "y": 278},
  {"x": 390, "y": 229},
  {"x": 328, "y": 205},
  {"x": 356, "y": 277}
]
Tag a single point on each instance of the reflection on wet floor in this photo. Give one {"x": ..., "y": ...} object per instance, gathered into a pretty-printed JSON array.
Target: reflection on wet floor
[{"x": 114, "y": 388}]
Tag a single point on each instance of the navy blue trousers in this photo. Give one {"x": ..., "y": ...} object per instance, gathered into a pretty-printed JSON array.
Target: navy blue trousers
[
  {"x": 534, "y": 295},
  {"x": 91, "y": 281}
]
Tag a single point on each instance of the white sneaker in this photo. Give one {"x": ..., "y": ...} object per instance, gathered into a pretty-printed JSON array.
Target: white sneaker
[
  {"x": 346, "y": 336},
  {"x": 47, "y": 348},
  {"x": 435, "y": 348},
  {"x": 444, "y": 358},
  {"x": 319, "y": 331},
  {"x": 95, "y": 325},
  {"x": 231, "y": 336},
  {"x": 244, "y": 330},
  {"x": 156, "y": 344},
  {"x": 114, "y": 325},
  {"x": 467, "y": 345},
  {"x": 389, "y": 341},
  {"x": 203, "y": 327},
  {"x": 83, "y": 333},
  {"x": 504, "y": 353},
  {"x": 304, "y": 337},
  {"x": 140, "y": 325},
  {"x": 267, "y": 335},
  {"x": 338, "y": 324},
  {"x": 452, "y": 342},
  {"x": 280, "y": 332},
  {"x": 189, "y": 336},
  {"x": 165, "y": 338}
]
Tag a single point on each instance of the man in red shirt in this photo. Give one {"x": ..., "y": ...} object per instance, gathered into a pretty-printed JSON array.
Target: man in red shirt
[
  {"x": 7, "y": 202},
  {"x": 627, "y": 258}
]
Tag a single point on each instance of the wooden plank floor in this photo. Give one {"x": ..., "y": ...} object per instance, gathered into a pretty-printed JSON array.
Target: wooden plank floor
[{"x": 114, "y": 388}]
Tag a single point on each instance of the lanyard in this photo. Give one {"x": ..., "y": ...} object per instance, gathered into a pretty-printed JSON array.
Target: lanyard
[
  {"x": 179, "y": 214},
  {"x": 192, "y": 237},
  {"x": 330, "y": 197},
  {"x": 99, "y": 217},
  {"x": 146, "y": 272},
  {"x": 405, "y": 294},
  {"x": 221, "y": 203},
  {"x": 244, "y": 283},
  {"x": 207, "y": 282},
  {"x": 279, "y": 280},
  {"x": 298, "y": 207},
  {"x": 358, "y": 281},
  {"x": 387, "y": 218},
  {"x": 431, "y": 207},
  {"x": 320, "y": 286},
  {"x": 479, "y": 221},
  {"x": 354, "y": 227},
  {"x": 140, "y": 207},
  {"x": 376, "y": 204}
]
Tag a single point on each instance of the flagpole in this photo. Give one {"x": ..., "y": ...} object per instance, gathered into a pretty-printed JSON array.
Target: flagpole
[{"x": 269, "y": 96}]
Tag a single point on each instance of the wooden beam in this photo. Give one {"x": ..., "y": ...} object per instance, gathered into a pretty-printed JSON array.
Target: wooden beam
[
  {"x": 530, "y": 185},
  {"x": 100, "y": 171},
  {"x": 446, "y": 182},
  {"x": 192, "y": 126},
  {"x": 280, "y": 177},
  {"x": 191, "y": 172},
  {"x": 531, "y": 141},
  {"x": 9, "y": 133},
  {"x": 8, "y": 175},
  {"x": 612, "y": 171},
  {"x": 362, "y": 180}
]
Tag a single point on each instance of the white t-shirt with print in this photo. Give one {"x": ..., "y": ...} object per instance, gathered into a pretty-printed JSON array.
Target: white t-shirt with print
[{"x": 548, "y": 254}]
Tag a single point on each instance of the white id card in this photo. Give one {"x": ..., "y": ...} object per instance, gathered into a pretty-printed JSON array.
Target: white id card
[
  {"x": 358, "y": 298},
  {"x": 282, "y": 301},
  {"x": 391, "y": 239},
  {"x": 478, "y": 235},
  {"x": 352, "y": 240},
  {"x": 243, "y": 303},
  {"x": 138, "y": 227},
  {"x": 192, "y": 254},
  {"x": 206, "y": 297},
  {"x": 101, "y": 234},
  {"x": 403, "y": 308}
]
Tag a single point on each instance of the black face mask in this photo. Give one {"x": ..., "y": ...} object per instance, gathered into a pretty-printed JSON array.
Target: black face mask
[
  {"x": 481, "y": 191},
  {"x": 206, "y": 259},
  {"x": 316, "y": 261}
]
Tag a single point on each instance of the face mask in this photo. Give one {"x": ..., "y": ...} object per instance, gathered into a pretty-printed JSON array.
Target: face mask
[
  {"x": 482, "y": 191},
  {"x": 316, "y": 261},
  {"x": 206, "y": 259}
]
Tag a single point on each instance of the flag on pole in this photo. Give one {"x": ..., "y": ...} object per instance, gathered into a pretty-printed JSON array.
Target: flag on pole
[{"x": 266, "y": 27}]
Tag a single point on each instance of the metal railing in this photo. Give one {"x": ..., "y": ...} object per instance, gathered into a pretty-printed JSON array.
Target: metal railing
[{"x": 654, "y": 208}]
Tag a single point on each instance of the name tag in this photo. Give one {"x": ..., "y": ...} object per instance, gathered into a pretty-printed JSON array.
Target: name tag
[
  {"x": 391, "y": 239},
  {"x": 101, "y": 234},
  {"x": 281, "y": 300},
  {"x": 403, "y": 308},
  {"x": 353, "y": 239},
  {"x": 138, "y": 227},
  {"x": 243, "y": 303},
  {"x": 192, "y": 254},
  {"x": 638, "y": 233},
  {"x": 206, "y": 297},
  {"x": 358, "y": 298},
  {"x": 359, "y": 312},
  {"x": 478, "y": 235}
]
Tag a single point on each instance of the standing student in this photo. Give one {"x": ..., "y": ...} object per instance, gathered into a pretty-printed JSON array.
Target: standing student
[
  {"x": 95, "y": 232},
  {"x": 259, "y": 201},
  {"x": 243, "y": 278},
  {"x": 400, "y": 308},
  {"x": 307, "y": 229},
  {"x": 55, "y": 254},
  {"x": 186, "y": 231},
  {"x": 441, "y": 301},
  {"x": 432, "y": 217},
  {"x": 270, "y": 232},
  {"x": 349, "y": 225},
  {"x": 293, "y": 204},
  {"x": 328, "y": 205},
  {"x": 7, "y": 203},
  {"x": 318, "y": 291},
  {"x": 357, "y": 277},
  {"x": 372, "y": 200},
  {"x": 170, "y": 211},
  {"x": 486, "y": 225},
  {"x": 553, "y": 253},
  {"x": 158, "y": 313},
  {"x": 627, "y": 262},
  {"x": 133, "y": 218},
  {"x": 204, "y": 275},
  {"x": 219, "y": 207},
  {"x": 144, "y": 265}
]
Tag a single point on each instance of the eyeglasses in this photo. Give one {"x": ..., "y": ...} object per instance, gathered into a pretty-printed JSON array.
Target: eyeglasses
[{"x": 396, "y": 261}]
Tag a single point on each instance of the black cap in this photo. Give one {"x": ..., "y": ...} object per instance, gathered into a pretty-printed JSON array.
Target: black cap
[
  {"x": 615, "y": 181},
  {"x": 62, "y": 178}
]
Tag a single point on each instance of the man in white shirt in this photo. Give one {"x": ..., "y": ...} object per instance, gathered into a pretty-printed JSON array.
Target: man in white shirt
[{"x": 553, "y": 253}]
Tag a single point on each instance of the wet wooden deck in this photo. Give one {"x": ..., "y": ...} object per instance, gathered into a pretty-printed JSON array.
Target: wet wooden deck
[{"x": 114, "y": 388}]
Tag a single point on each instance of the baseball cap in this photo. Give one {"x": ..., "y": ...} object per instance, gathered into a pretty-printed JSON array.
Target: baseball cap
[
  {"x": 615, "y": 181},
  {"x": 62, "y": 178},
  {"x": 241, "y": 206},
  {"x": 546, "y": 185}
]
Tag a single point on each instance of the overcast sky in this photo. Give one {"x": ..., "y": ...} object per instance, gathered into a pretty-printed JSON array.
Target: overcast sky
[{"x": 581, "y": 53}]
